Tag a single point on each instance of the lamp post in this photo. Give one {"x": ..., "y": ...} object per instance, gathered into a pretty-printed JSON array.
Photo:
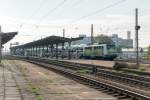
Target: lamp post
[{"x": 137, "y": 27}]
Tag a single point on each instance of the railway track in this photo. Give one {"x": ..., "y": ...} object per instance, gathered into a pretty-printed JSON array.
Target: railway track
[
  {"x": 118, "y": 91},
  {"x": 134, "y": 80}
]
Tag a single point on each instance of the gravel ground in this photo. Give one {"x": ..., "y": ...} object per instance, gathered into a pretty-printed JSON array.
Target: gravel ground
[
  {"x": 93, "y": 62},
  {"x": 109, "y": 64},
  {"x": 42, "y": 84}
]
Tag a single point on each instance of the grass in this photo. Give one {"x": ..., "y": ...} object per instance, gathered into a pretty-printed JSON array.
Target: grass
[
  {"x": 33, "y": 88},
  {"x": 48, "y": 81},
  {"x": 83, "y": 71},
  {"x": 147, "y": 57},
  {"x": 141, "y": 69},
  {"x": 35, "y": 91}
]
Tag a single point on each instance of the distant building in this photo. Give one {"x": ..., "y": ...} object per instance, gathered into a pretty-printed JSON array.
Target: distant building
[
  {"x": 123, "y": 43},
  {"x": 130, "y": 53},
  {"x": 86, "y": 40},
  {"x": 119, "y": 42}
]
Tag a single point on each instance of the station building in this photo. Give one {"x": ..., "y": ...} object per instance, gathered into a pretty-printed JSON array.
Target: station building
[{"x": 52, "y": 46}]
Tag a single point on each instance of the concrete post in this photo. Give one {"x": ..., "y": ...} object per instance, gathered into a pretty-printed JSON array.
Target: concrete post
[
  {"x": 69, "y": 51},
  {"x": 62, "y": 53},
  {"x": 43, "y": 53},
  {"x": 33, "y": 51},
  {"x": 57, "y": 51},
  {"x": 47, "y": 51},
  {"x": 36, "y": 50}
]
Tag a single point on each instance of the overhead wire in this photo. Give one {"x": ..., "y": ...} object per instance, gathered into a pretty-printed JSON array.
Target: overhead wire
[
  {"x": 35, "y": 12},
  {"x": 145, "y": 10},
  {"x": 40, "y": 6},
  {"x": 78, "y": 2},
  {"x": 98, "y": 11},
  {"x": 38, "y": 9},
  {"x": 50, "y": 12},
  {"x": 53, "y": 9}
]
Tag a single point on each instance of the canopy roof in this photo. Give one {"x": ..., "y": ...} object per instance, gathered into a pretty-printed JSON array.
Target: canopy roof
[
  {"x": 47, "y": 41},
  {"x": 7, "y": 36}
]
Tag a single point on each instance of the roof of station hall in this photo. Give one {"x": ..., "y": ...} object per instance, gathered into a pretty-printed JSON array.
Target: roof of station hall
[
  {"x": 8, "y": 36},
  {"x": 47, "y": 41}
]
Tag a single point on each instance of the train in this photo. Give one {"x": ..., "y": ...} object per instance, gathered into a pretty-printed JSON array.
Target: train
[
  {"x": 99, "y": 51},
  {"x": 96, "y": 51}
]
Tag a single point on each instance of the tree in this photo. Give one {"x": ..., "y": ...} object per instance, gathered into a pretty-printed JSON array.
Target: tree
[
  {"x": 147, "y": 56},
  {"x": 148, "y": 52},
  {"x": 103, "y": 39}
]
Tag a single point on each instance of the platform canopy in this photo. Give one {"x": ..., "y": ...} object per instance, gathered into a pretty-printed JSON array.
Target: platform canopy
[
  {"x": 47, "y": 41},
  {"x": 7, "y": 36}
]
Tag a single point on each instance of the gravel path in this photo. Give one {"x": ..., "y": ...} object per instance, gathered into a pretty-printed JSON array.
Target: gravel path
[{"x": 12, "y": 83}]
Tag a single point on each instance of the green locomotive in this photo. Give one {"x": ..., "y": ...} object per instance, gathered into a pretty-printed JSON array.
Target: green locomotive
[{"x": 100, "y": 51}]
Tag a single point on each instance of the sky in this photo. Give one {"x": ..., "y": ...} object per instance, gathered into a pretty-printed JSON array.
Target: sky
[{"x": 36, "y": 19}]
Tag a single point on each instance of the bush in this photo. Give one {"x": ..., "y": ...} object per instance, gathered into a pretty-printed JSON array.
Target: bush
[{"x": 119, "y": 65}]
